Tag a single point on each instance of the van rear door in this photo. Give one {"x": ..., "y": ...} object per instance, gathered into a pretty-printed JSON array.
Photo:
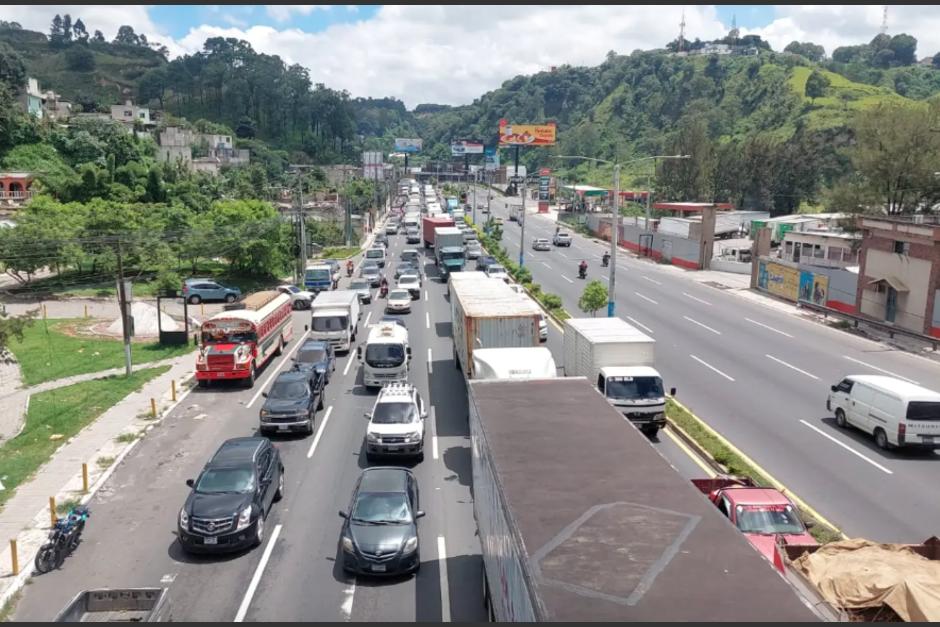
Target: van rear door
[{"x": 923, "y": 422}]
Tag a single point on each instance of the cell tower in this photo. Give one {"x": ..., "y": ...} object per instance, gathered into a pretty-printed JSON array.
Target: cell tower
[
  {"x": 884, "y": 21},
  {"x": 735, "y": 33},
  {"x": 681, "y": 32}
]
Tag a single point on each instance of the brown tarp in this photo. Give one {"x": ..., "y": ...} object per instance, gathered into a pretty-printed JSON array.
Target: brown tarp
[{"x": 858, "y": 574}]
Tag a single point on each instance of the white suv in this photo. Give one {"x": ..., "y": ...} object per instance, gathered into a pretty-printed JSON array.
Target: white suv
[{"x": 396, "y": 423}]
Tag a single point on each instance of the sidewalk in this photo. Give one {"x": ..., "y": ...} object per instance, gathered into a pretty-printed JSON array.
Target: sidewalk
[{"x": 26, "y": 517}]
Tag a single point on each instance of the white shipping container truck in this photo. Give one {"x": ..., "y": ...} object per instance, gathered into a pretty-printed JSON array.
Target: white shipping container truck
[
  {"x": 514, "y": 363},
  {"x": 488, "y": 314},
  {"x": 619, "y": 359},
  {"x": 334, "y": 317}
]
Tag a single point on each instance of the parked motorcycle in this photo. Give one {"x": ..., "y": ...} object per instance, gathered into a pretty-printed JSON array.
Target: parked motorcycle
[{"x": 63, "y": 539}]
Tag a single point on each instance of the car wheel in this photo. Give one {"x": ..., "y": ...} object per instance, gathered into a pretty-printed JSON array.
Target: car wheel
[
  {"x": 203, "y": 383},
  {"x": 298, "y": 305},
  {"x": 881, "y": 439},
  {"x": 310, "y": 427},
  {"x": 194, "y": 300},
  {"x": 280, "y": 485},
  {"x": 650, "y": 431},
  {"x": 840, "y": 419},
  {"x": 259, "y": 530},
  {"x": 250, "y": 381},
  {"x": 230, "y": 298},
  {"x": 320, "y": 402}
]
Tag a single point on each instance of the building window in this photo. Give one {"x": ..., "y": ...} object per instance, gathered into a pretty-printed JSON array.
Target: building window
[
  {"x": 835, "y": 253},
  {"x": 818, "y": 251},
  {"x": 128, "y": 114},
  {"x": 902, "y": 248},
  {"x": 142, "y": 116},
  {"x": 788, "y": 250}
]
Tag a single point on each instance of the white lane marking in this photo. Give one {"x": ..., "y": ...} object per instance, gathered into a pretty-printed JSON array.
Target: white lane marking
[
  {"x": 434, "y": 446},
  {"x": 349, "y": 361},
  {"x": 651, "y": 280},
  {"x": 848, "y": 448},
  {"x": 316, "y": 439},
  {"x": 881, "y": 370},
  {"x": 427, "y": 319},
  {"x": 256, "y": 579},
  {"x": 780, "y": 361},
  {"x": 711, "y": 367},
  {"x": 647, "y": 298},
  {"x": 433, "y": 429},
  {"x": 704, "y": 326},
  {"x": 704, "y": 302},
  {"x": 284, "y": 361},
  {"x": 442, "y": 568},
  {"x": 640, "y": 324},
  {"x": 368, "y": 316},
  {"x": 562, "y": 254},
  {"x": 567, "y": 279},
  {"x": 546, "y": 265},
  {"x": 761, "y": 324},
  {"x": 425, "y": 296},
  {"x": 430, "y": 367},
  {"x": 348, "y": 594},
  {"x": 605, "y": 278}
]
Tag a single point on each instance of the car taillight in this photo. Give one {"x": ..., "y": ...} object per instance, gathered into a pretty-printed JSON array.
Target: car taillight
[{"x": 902, "y": 431}]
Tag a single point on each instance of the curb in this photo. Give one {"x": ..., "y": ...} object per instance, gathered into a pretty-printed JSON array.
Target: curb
[
  {"x": 20, "y": 580},
  {"x": 773, "y": 480},
  {"x": 697, "y": 448}
]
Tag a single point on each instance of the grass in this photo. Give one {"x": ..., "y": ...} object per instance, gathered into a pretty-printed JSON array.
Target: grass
[
  {"x": 47, "y": 353},
  {"x": 63, "y": 412},
  {"x": 66, "y": 506},
  {"x": 104, "y": 462},
  {"x": 734, "y": 463},
  {"x": 340, "y": 252},
  {"x": 125, "y": 438},
  {"x": 6, "y": 612}
]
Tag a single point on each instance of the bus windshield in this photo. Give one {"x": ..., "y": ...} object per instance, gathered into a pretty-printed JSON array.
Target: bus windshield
[{"x": 228, "y": 332}]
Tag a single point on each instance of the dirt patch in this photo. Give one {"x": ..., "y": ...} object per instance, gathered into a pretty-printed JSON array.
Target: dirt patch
[{"x": 94, "y": 329}]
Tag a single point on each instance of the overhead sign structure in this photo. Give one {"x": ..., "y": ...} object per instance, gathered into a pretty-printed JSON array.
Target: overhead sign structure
[
  {"x": 403, "y": 144},
  {"x": 526, "y": 134},
  {"x": 461, "y": 147},
  {"x": 490, "y": 158},
  {"x": 373, "y": 166}
]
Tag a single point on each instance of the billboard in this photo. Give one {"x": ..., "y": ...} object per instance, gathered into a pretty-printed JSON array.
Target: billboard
[
  {"x": 403, "y": 144},
  {"x": 373, "y": 166},
  {"x": 779, "y": 280},
  {"x": 461, "y": 147},
  {"x": 526, "y": 134},
  {"x": 490, "y": 158}
]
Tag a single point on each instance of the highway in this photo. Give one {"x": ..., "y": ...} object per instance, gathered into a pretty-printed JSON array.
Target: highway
[{"x": 760, "y": 377}]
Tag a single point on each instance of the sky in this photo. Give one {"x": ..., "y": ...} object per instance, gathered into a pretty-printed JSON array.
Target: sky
[{"x": 452, "y": 54}]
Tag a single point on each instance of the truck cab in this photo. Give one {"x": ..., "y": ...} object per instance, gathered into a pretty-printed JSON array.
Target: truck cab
[
  {"x": 386, "y": 357},
  {"x": 451, "y": 260},
  {"x": 637, "y": 392},
  {"x": 318, "y": 277},
  {"x": 334, "y": 318}
]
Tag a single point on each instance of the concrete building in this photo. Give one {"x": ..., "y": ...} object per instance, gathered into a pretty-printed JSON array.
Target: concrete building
[
  {"x": 899, "y": 271},
  {"x": 129, "y": 113},
  {"x": 30, "y": 98},
  {"x": 54, "y": 108},
  {"x": 176, "y": 145},
  {"x": 15, "y": 188},
  {"x": 830, "y": 249}
]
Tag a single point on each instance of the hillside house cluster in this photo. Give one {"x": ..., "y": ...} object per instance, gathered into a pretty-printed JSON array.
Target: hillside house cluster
[
  {"x": 212, "y": 151},
  {"x": 43, "y": 104}
]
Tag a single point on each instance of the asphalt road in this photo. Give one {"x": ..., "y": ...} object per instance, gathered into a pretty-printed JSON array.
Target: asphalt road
[
  {"x": 761, "y": 376},
  {"x": 130, "y": 539}
]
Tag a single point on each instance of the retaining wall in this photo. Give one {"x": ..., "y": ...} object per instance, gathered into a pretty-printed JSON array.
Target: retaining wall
[{"x": 676, "y": 250}]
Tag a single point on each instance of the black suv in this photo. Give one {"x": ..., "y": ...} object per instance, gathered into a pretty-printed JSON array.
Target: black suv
[
  {"x": 380, "y": 532},
  {"x": 231, "y": 497},
  {"x": 315, "y": 357},
  {"x": 292, "y": 402}
]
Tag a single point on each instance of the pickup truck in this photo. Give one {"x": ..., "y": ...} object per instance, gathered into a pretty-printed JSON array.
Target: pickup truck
[
  {"x": 762, "y": 514},
  {"x": 138, "y": 605}
]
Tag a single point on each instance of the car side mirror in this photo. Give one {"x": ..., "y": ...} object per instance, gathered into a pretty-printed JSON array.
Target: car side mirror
[
  {"x": 367, "y": 414},
  {"x": 834, "y": 388},
  {"x": 190, "y": 482},
  {"x": 306, "y": 328},
  {"x": 672, "y": 391},
  {"x": 419, "y": 514},
  {"x": 343, "y": 514},
  {"x": 408, "y": 350},
  {"x": 264, "y": 394},
  {"x": 810, "y": 524}
]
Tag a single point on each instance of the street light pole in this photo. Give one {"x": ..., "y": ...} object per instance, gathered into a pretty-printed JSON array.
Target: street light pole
[
  {"x": 522, "y": 234},
  {"x": 615, "y": 222}
]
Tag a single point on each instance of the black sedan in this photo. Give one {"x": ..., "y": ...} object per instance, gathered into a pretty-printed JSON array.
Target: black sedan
[
  {"x": 232, "y": 497},
  {"x": 315, "y": 356},
  {"x": 380, "y": 530}
]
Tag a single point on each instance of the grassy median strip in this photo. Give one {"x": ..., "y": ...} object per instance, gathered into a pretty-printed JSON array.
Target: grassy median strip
[
  {"x": 734, "y": 464},
  {"x": 48, "y": 353},
  {"x": 57, "y": 415},
  {"x": 342, "y": 252}
]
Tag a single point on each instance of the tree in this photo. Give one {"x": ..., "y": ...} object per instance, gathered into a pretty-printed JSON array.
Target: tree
[
  {"x": 13, "y": 326},
  {"x": 98, "y": 37},
  {"x": 807, "y": 49},
  {"x": 245, "y": 128},
  {"x": 936, "y": 61},
  {"x": 593, "y": 298},
  {"x": 56, "y": 32},
  {"x": 904, "y": 48},
  {"x": 81, "y": 34},
  {"x": 67, "y": 27},
  {"x": 126, "y": 35},
  {"x": 12, "y": 68},
  {"x": 79, "y": 59},
  {"x": 883, "y": 58},
  {"x": 155, "y": 190},
  {"x": 816, "y": 85}
]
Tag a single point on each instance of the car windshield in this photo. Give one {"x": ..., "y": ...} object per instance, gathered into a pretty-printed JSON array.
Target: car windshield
[
  {"x": 634, "y": 387},
  {"x": 221, "y": 480},
  {"x": 768, "y": 519},
  {"x": 385, "y": 355},
  {"x": 374, "y": 254},
  {"x": 381, "y": 507},
  {"x": 330, "y": 323},
  {"x": 288, "y": 390},
  {"x": 394, "y": 413},
  {"x": 451, "y": 255},
  {"x": 493, "y": 269},
  {"x": 311, "y": 355},
  {"x": 399, "y": 295},
  {"x": 292, "y": 289},
  {"x": 358, "y": 285},
  {"x": 408, "y": 280}
]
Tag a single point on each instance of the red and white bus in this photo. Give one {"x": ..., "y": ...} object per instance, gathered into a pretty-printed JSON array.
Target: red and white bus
[{"x": 235, "y": 343}]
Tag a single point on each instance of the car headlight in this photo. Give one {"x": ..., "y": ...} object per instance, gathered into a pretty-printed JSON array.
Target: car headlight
[
  {"x": 347, "y": 544},
  {"x": 264, "y": 413},
  {"x": 410, "y": 545},
  {"x": 184, "y": 519},
  {"x": 373, "y": 437},
  {"x": 659, "y": 415},
  {"x": 413, "y": 437},
  {"x": 244, "y": 518}
]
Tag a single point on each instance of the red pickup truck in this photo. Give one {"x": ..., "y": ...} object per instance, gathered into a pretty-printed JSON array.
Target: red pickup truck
[{"x": 762, "y": 514}]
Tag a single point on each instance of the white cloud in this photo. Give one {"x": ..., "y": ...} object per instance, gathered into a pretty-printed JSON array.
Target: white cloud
[{"x": 284, "y": 12}]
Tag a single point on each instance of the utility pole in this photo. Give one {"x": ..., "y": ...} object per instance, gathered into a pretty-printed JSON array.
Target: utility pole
[
  {"x": 474, "y": 199},
  {"x": 522, "y": 233},
  {"x": 614, "y": 234},
  {"x": 122, "y": 298}
]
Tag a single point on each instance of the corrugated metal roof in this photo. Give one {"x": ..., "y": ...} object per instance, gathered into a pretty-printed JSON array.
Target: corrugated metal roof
[{"x": 255, "y": 315}]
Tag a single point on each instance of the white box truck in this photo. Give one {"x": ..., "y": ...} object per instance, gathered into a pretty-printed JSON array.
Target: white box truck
[
  {"x": 387, "y": 355},
  {"x": 619, "y": 359},
  {"x": 514, "y": 363},
  {"x": 488, "y": 314},
  {"x": 334, "y": 317}
]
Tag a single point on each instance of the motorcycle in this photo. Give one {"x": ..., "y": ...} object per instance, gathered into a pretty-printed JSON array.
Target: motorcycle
[
  {"x": 605, "y": 260},
  {"x": 383, "y": 291},
  {"x": 349, "y": 271},
  {"x": 63, "y": 539},
  {"x": 582, "y": 272}
]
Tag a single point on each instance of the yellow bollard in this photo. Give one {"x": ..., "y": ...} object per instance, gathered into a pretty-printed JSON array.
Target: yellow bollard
[
  {"x": 173, "y": 389},
  {"x": 86, "y": 311},
  {"x": 202, "y": 310},
  {"x": 52, "y": 515},
  {"x": 153, "y": 407},
  {"x": 85, "y": 478},
  {"x": 15, "y": 558},
  {"x": 44, "y": 311}
]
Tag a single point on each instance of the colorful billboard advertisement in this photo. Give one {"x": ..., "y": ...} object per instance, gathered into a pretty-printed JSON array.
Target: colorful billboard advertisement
[
  {"x": 461, "y": 147},
  {"x": 407, "y": 145},
  {"x": 814, "y": 287},
  {"x": 526, "y": 134},
  {"x": 779, "y": 280}
]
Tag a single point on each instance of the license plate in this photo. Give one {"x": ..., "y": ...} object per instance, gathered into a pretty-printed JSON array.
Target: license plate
[
  {"x": 378, "y": 568},
  {"x": 221, "y": 375},
  {"x": 210, "y": 541},
  {"x": 927, "y": 438},
  {"x": 282, "y": 427}
]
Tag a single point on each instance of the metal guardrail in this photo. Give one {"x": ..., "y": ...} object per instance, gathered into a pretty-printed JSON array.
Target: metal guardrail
[{"x": 890, "y": 329}]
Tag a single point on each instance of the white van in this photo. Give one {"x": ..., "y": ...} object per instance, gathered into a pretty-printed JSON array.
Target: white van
[
  {"x": 377, "y": 255},
  {"x": 387, "y": 355},
  {"x": 895, "y": 412}
]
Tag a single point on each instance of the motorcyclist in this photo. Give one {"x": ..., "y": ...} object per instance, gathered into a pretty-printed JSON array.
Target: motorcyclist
[
  {"x": 383, "y": 286},
  {"x": 606, "y": 259},
  {"x": 349, "y": 268},
  {"x": 582, "y": 269}
]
